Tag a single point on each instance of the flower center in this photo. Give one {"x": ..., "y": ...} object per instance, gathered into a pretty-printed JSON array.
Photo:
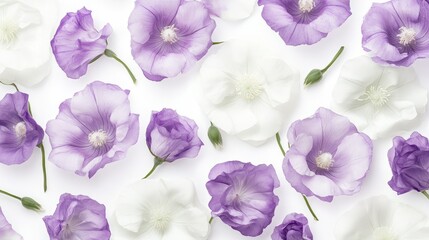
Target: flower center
[
  {"x": 160, "y": 219},
  {"x": 406, "y": 35},
  {"x": 20, "y": 129},
  {"x": 324, "y": 161},
  {"x": 8, "y": 30},
  {"x": 98, "y": 138},
  {"x": 377, "y": 95},
  {"x": 169, "y": 34},
  {"x": 306, "y": 5},
  {"x": 247, "y": 87},
  {"x": 383, "y": 233}
]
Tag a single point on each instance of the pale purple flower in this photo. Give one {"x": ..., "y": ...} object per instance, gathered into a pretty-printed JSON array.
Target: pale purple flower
[
  {"x": 76, "y": 42},
  {"x": 19, "y": 133},
  {"x": 294, "y": 227},
  {"x": 78, "y": 217},
  {"x": 170, "y": 136},
  {"x": 397, "y": 32},
  {"x": 409, "y": 160},
  {"x": 92, "y": 129},
  {"x": 304, "y": 21},
  {"x": 6, "y": 230},
  {"x": 169, "y": 36},
  {"x": 243, "y": 195},
  {"x": 328, "y": 156}
]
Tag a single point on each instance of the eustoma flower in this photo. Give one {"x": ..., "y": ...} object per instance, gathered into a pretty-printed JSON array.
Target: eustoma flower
[
  {"x": 170, "y": 137},
  {"x": 247, "y": 92},
  {"x": 294, "y": 227},
  {"x": 78, "y": 217},
  {"x": 379, "y": 99},
  {"x": 230, "y": 10},
  {"x": 6, "y": 230},
  {"x": 304, "y": 21},
  {"x": 328, "y": 156},
  {"x": 409, "y": 160},
  {"x": 243, "y": 195},
  {"x": 379, "y": 218},
  {"x": 25, "y": 30},
  {"x": 92, "y": 129},
  {"x": 160, "y": 209},
  {"x": 397, "y": 32},
  {"x": 77, "y": 43},
  {"x": 168, "y": 37}
]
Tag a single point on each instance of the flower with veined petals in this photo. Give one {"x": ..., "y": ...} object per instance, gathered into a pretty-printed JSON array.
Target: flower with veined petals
[
  {"x": 230, "y": 10},
  {"x": 169, "y": 36},
  {"x": 397, "y": 32},
  {"x": 6, "y": 230},
  {"x": 304, "y": 21},
  {"x": 294, "y": 227},
  {"x": 328, "y": 157},
  {"x": 92, "y": 129},
  {"x": 246, "y": 92},
  {"x": 379, "y": 99},
  {"x": 379, "y": 218},
  {"x": 160, "y": 209}
]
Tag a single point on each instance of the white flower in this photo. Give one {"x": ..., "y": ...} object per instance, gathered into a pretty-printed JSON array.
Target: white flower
[
  {"x": 6, "y": 231},
  {"x": 231, "y": 9},
  {"x": 246, "y": 92},
  {"x": 379, "y": 218},
  {"x": 160, "y": 209},
  {"x": 26, "y": 28},
  {"x": 379, "y": 99}
]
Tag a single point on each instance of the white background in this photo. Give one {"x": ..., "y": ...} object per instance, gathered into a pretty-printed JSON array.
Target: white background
[{"x": 177, "y": 93}]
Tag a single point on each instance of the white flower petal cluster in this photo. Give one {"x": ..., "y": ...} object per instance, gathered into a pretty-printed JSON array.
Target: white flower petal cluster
[
  {"x": 231, "y": 9},
  {"x": 379, "y": 99},
  {"x": 26, "y": 28},
  {"x": 247, "y": 92}
]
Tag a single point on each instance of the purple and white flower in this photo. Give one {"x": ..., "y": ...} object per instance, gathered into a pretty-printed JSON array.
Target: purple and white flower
[
  {"x": 328, "y": 156},
  {"x": 168, "y": 37},
  {"x": 230, "y": 10},
  {"x": 243, "y": 195},
  {"x": 6, "y": 230},
  {"x": 92, "y": 129},
  {"x": 294, "y": 227},
  {"x": 304, "y": 21},
  {"x": 19, "y": 133},
  {"x": 78, "y": 217},
  {"x": 397, "y": 32}
]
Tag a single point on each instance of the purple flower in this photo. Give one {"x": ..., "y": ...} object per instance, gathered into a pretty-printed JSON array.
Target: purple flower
[
  {"x": 76, "y": 42},
  {"x": 19, "y": 133},
  {"x": 294, "y": 227},
  {"x": 409, "y": 160},
  {"x": 327, "y": 157},
  {"x": 242, "y": 195},
  {"x": 304, "y": 21},
  {"x": 6, "y": 230},
  {"x": 397, "y": 32},
  {"x": 78, "y": 217},
  {"x": 92, "y": 129},
  {"x": 168, "y": 37},
  {"x": 170, "y": 136}
]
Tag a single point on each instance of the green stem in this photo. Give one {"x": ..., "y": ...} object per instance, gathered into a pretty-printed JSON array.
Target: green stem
[
  {"x": 334, "y": 59},
  {"x": 157, "y": 161},
  {"x": 309, "y": 207},
  {"x": 211, "y": 220},
  {"x": 45, "y": 178},
  {"x": 426, "y": 194},
  {"x": 279, "y": 142},
  {"x": 10, "y": 195},
  {"x": 111, "y": 54},
  {"x": 216, "y": 43}
]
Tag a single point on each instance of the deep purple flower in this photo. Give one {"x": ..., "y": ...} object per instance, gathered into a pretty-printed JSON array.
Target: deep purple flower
[
  {"x": 168, "y": 37},
  {"x": 92, "y": 129},
  {"x": 397, "y": 32},
  {"x": 170, "y": 136},
  {"x": 78, "y": 217},
  {"x": 19, "y": 133},
  {"x": 6, "y": 230},
  {"x": 409, "y": 160},
  {"x": 294, "y": 227},
  {"x": 76, "y": 42},
  {"x": 242, "y": 195},
  {"x": 304, "y": 21},
  {"x": 327, "y": 157}
]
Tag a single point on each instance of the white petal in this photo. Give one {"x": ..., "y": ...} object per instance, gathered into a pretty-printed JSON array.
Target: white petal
[{"x": 231, "y": 9}]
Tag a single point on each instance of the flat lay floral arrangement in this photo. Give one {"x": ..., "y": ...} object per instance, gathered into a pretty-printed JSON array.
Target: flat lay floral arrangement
[{"x": 214, "y": 119}]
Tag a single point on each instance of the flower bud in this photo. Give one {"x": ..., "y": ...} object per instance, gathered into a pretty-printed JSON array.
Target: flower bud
[
  {"x": 314, "y": 76},
  {"x": 31, "y": 204},
  {"x": 215, "y": 136}
]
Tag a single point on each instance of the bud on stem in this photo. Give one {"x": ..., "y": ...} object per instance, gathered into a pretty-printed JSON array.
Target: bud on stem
[
  {"x": 215, "y": 136},
  {"x": 316, "y": 75}
]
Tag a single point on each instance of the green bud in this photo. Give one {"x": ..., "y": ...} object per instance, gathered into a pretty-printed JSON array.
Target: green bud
[
  {"x": 313, "y": 77},
  {"x": 215, "y": 136},
  {"x": 31, "y": 204}
]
